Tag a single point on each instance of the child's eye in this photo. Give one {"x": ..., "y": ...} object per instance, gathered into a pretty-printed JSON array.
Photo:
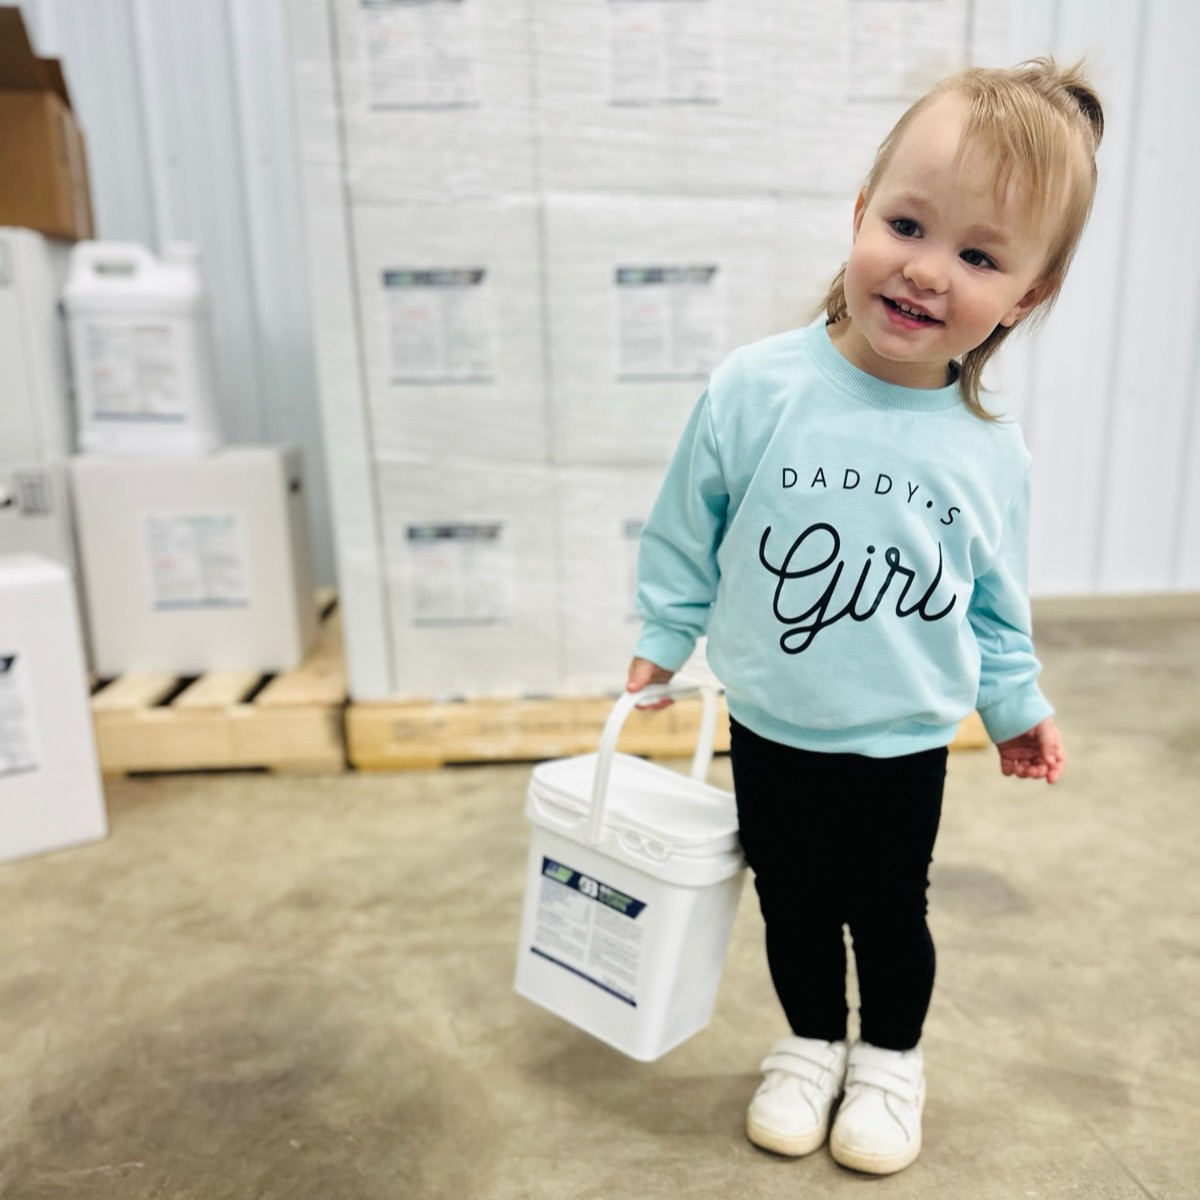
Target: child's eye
[
  {"x": 905, "y": 228},
  {"x": 976, "y": 258}
]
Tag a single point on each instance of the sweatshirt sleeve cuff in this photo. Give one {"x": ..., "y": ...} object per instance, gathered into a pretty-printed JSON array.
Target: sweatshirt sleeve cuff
[
  {"x": 1015, "y": 714},
  {"x": 666, "y": 647}
]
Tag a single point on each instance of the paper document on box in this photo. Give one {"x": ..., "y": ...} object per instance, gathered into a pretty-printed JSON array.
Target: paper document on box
[{"x": 18, "y": 734}]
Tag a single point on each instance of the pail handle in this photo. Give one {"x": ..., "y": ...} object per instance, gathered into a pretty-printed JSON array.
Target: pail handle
[{"x": 612, "y": 730}]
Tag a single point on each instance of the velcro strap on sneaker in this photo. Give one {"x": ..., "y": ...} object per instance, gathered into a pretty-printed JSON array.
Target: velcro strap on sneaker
[
  {"x": 803, "y": 1066},
  {"x": 887, "y": 1081}
]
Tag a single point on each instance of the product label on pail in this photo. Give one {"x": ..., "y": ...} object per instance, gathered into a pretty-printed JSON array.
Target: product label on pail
[
  {"x": 591, "y": 929},
  {"x": 18, "y": 734}
]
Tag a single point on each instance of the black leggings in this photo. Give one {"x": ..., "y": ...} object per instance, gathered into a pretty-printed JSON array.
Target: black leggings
[{"x": 842, "y": 839}]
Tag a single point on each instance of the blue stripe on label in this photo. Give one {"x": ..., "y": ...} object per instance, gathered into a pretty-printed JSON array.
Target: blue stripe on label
[
  {"x": 593, "y": 889},
  {"x": 575, "y": 971}
]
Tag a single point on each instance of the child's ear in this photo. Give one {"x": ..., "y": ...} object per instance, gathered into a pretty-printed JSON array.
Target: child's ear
[
  {"x": 1042, "y": 290},
  {"x": 860, "y": 207}
]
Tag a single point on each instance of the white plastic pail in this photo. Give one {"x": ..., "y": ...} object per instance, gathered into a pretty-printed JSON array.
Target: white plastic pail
[
  {"x": 632, "y": 885},
  {"x": 141, "y": 351}
]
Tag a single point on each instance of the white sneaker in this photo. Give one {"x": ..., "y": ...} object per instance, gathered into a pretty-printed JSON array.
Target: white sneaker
[
  {"x": 878, "y": 1127},
  {"x": 790, "y": 1111}
]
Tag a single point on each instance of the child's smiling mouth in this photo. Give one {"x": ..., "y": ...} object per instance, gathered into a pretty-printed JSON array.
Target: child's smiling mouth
[{"x": 908, "y": 314}]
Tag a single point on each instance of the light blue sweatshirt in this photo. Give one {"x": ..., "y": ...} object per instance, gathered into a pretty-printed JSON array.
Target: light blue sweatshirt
[{"x": 856, "y": 552}]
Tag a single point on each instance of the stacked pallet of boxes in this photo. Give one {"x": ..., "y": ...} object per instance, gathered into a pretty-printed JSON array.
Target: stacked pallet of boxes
[{"x": 535, "y": 227}]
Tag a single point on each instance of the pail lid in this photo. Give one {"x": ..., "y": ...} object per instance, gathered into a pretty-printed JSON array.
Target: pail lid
[{"x": 685, "y": 817}]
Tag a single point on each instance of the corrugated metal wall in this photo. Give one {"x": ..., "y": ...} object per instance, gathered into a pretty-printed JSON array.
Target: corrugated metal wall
[
  {"x": 1109, "y": 390},
  {"x": 187, "y": 110},
  {"x": 186, "y": 107}
]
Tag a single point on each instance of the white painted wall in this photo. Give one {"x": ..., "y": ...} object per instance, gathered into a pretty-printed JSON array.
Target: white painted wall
[{"x": 187, "y": 109}]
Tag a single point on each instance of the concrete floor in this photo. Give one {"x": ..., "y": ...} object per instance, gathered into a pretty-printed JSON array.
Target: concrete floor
[{"x": 268, "y": 987}]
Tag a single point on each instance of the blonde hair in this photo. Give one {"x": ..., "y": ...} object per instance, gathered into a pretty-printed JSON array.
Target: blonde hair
[{"x": 1040, "y": 122}]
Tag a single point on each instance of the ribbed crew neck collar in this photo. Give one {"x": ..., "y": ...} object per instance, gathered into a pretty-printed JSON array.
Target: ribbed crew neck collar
[{"x": 864, "y": 386}]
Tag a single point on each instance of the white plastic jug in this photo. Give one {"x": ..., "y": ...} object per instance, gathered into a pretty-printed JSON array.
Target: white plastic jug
[
  {"x": 141, "y": 351},
  {"x": 632, "y": 885}
]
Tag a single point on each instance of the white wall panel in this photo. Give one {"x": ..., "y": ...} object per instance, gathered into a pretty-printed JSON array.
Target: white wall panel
[
  {"x": 1145, "y": 467},
  {"x": 187, "y": 113},
  {"x": 96, "y": 43},
  {"x": 1069, "y": 393}
]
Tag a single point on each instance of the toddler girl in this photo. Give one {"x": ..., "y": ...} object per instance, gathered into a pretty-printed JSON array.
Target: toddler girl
[{"x": 849, "y": 524}]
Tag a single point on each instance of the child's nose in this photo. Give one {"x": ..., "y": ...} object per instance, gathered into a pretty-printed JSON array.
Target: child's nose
[{"x": 926, "y": 271}]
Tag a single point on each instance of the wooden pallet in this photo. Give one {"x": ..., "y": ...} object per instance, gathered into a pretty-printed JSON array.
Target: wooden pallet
[
  {"x": 393, "y": 735},
  {"x": 229, "y": 719}
]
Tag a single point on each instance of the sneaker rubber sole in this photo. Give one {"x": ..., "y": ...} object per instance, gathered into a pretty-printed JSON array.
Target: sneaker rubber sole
[
  {"x": 874, "y": 1164},
  {"x": 790, "y": 1146}
]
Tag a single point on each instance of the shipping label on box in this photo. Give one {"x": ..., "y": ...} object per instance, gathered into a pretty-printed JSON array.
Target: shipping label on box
[
  {"x": 452, "y": 329},
  {"x": 655, "y": 96},
  {"x": 670, "y": 322},
  {"x": 461, "y": 575},
  {"x": 435, "y": 99},
  {"x": 441, "y": 325},
  {"x": 19, "y": 750},
  {"x": 664, "y": 52},
  {"x": 196, "y": 560},
  {"x": 421, "y": 53}
]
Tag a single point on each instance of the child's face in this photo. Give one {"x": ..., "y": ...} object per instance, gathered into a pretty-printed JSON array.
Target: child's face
[{"x": 936, "y": 236}]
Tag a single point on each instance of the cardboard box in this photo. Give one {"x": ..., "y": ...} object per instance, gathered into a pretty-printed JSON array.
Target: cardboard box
[
  {"x": 471, "y": 576},
  {"x": 436, "y": 100},
  {"x": 196, "y": 565},
  {"x": 645, "y": 296},
  {"x": 600, "y": 515},
  {"x": 657, "y": 97},
  {"x": 43, "y": 168},
  {"x": 50, "y": 793},
  {"x": 450, "y": 298}
]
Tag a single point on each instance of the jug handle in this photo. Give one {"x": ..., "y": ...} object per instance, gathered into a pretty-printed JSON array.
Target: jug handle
[
  {"x": 94, "y": 256},
  {"x": 612, "y": 730}
]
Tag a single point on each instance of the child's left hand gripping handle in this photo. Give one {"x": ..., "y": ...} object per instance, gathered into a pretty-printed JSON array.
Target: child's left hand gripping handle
[{"x": 642, "y": 673}]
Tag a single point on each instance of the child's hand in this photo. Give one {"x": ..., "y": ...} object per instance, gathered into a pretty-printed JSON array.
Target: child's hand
[
  {"x": 1036, "y": 754},
  {"x": 641, "y": 672}
]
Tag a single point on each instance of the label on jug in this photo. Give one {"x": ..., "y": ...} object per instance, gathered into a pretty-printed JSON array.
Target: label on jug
[
  {"x": 18, "y": 733},
  {"x": 590, "y": 929},
  {"x": 134, "y": 369},
  {"x": 196, "y": 560}
]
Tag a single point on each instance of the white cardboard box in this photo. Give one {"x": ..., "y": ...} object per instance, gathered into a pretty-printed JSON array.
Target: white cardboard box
[
  {"x": 846, "y": 72},
  {"x": 50, "y": 792},
  {"x": 646, "y": 296},
  {"x": 471, "y": 577},
  {"x": 436, "y": 99},
  {"x": 196, "y": 565},
  {"x": 601, "y": 513},
  {"x": 813, "y": 243},
  {"x": 450, "y": 299},
  {"x": 656, "y": 96}
]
